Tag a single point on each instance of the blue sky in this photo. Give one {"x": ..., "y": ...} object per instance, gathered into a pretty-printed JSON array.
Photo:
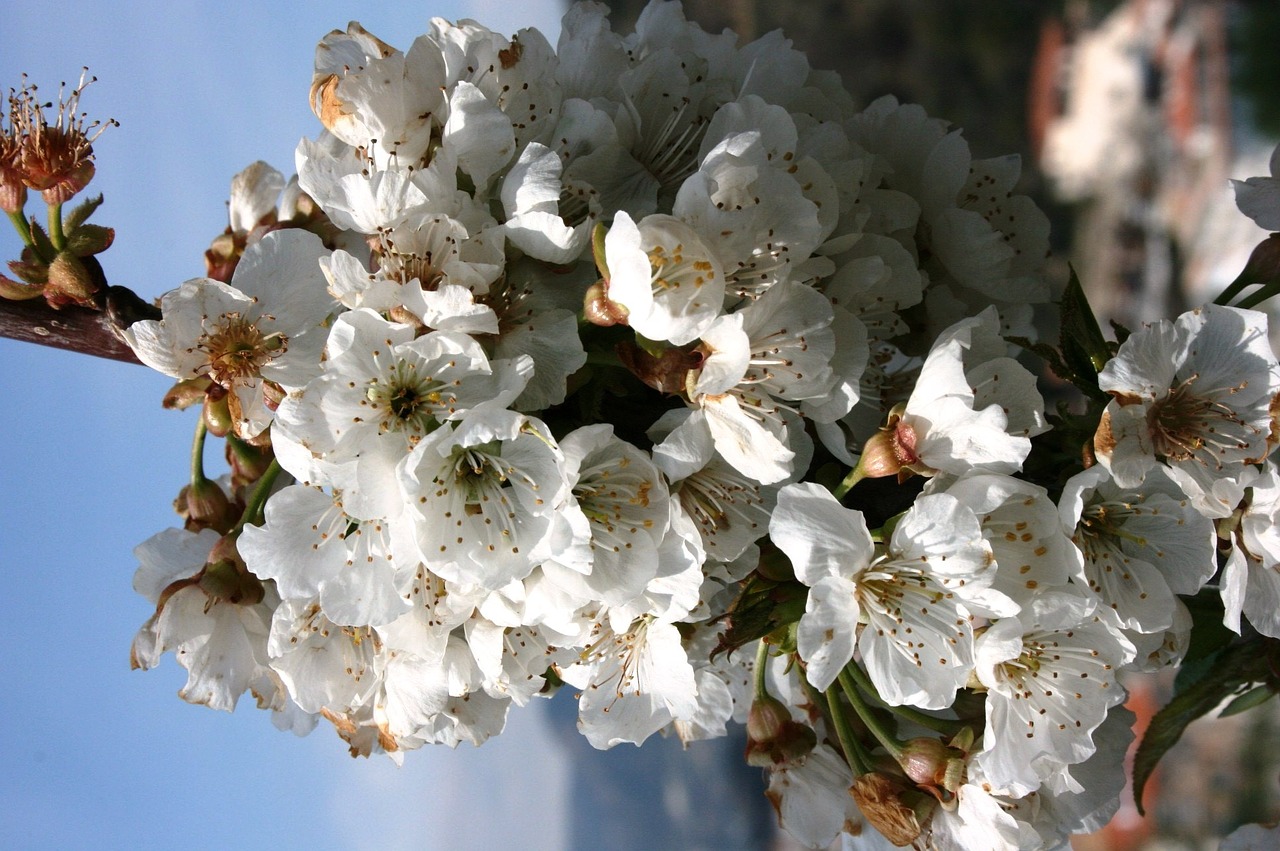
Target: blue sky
[{"x": 96, "y": 755}]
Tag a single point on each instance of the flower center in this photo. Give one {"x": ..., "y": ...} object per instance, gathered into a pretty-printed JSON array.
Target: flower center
[
  {"x": 673, "y": 269},
  {"x": 407, "y": 400},
  {"x": 238, "y": 350},
  {"x": 671, "y": 153},
  {"x": 1187, "y": 426}
]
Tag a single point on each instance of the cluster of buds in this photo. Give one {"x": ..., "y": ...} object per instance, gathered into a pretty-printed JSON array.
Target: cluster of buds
[{"x": 51, "y": 151}]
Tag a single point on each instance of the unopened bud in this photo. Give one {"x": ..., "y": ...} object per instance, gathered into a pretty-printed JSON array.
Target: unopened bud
[
  {"x": 222, "y": 257},
  {"x": 928, "y": 761},
  {"x": 217, "y": 411},
  {"x": 204, "y": 505},
  {"x": 599, "y": 310},
  {"x": 186, "y": 393},
  {"x": 226, "y": 578},
  {"x": 891, "y": 451},
  {"x": 772, "y": 737},
  {"x": 70, "y": 282}
]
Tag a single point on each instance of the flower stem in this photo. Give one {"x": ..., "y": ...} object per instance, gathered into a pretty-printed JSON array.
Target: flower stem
[
  {"x": 868, "y": 715},
  {"x": 762, "y": 661},
  {"x": 855, "y": 475},
  {"x": 854, "y": 753},
  {"x": 197, "y": 453},
  {"x": 603, "y": 358},
  {"x": 1259, "y": 295},
  {"x": 255, "y": 508},
  {"x": 22, "y": 227},
  {"x": 56, "y": 236},
  {"x": 1233, "y": 289},
  {"x": 945, "y": 726}
]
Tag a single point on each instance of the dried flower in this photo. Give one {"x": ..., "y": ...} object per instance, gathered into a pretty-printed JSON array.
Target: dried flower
[{"x": 57, "y": 158}]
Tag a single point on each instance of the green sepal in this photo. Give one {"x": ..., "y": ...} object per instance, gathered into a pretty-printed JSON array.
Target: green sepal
[
  {"x": 80, "y": 214},
  {"x": 41, "y": 243},
  {"x": 16, "y": 291},
  {"x": 87, "y": 240},
  {"x": 597, "y": 249}
]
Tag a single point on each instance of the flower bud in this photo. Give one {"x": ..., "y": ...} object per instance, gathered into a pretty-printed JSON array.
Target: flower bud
[
  {"x": 667, "y": 372},
  {"x": 928, "y": 761},
  {"x": 772, "y": 737},
  {"x": 891, "y": 451},
  {"x": 204, "y": 505},
  {"x": 599, "y": 310},
  {"x": 217, "y": 411},
  {"x": 226, "y": 578},
  {"x": 222, "y": 257},
  {"x": 186, "y": 393},
  {"x": 70, "y": 282}
]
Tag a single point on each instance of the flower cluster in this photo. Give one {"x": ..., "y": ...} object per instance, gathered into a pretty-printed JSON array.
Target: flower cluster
[
  {"x": 651, "y": 367},
  {"x": 54, "y": 157}
]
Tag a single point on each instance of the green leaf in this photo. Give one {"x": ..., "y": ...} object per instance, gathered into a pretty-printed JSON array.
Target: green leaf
[
  {"x": 1084, "y": 349},
  {"x": 1248, "y": 700},
  {"x": 1122, "y": 333},
  {"x": 763, "y": 606},
  {"x": 1234, "y": 668},
  {"x": 1208, "y": 633}
]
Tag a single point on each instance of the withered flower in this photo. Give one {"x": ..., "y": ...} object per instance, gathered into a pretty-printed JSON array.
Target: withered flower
[{"x": 54, "y": 158}]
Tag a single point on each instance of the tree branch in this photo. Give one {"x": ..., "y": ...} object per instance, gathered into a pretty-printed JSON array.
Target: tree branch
[{"x": 78, "y": 329}]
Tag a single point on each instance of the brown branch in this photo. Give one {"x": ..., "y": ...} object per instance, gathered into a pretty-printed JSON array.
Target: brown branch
[{"x": 78, "y": 329}]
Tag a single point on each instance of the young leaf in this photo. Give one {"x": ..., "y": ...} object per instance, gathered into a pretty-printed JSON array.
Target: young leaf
[
  {"x": 1248, "y": 700},
  {"x": 761, "y": 608},
  {"x": 1235, "y": 668},
  {"x": 1084, "y": 349}
]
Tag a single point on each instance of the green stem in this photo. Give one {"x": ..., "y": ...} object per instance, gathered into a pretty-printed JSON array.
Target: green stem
[
  {"x": 945, "y": 726},
  {"x": 197, "y": 453},
  {"x": 1233, "y": 289},
  {"x": 853, "y": 752},
  {"x": 868, "y": 715},
  {"x": 1259, "y": 295},
  {"x": 257, "y": 504},
  {"x": 56, "y": 236},
  {"x": 606, "y": 358},
  {"x": 762, "y": 661},
  {"x": 855, "y": 475},
  {"x": 23, "y": 228}
]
